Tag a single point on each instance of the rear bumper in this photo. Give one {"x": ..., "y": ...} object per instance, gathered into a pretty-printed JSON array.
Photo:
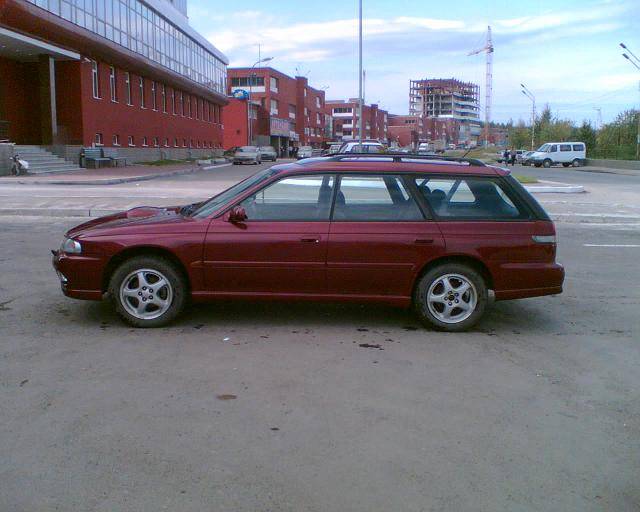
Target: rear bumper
[
  {"x": 80, "y": 276},
  {"x": 535, "y": 281}
]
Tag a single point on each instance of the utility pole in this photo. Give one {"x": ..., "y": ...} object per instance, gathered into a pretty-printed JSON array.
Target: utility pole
[
  {"x": 530, "y": 95},
  {"x": 251, "y": 75},
  {"x": 360, "y": 75},
  {"x": 636, "y": 63}
]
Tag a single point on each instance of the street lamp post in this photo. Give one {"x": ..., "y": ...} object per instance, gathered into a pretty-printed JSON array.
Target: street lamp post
[
  {"x": 530, "y": 95},
  {"x": 249, "y": 123},
  {"x": 360, "y": 98},
  {"x": 636, "y": 62}
]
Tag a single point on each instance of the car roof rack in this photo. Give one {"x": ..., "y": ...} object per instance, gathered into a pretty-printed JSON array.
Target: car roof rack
[{"x": 405, "y": 157}]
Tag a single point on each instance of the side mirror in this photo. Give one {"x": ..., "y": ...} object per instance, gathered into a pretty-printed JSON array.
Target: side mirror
[{"x": 237, "y": 215}]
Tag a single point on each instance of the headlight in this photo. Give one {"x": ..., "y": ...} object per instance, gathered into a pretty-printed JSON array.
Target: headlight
[{"x": 70, "y": 246}]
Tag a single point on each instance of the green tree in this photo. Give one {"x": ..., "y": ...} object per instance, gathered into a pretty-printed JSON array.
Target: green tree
[
  {"x": 618, "y": 138},
  {"x": 585, "y": 133}
]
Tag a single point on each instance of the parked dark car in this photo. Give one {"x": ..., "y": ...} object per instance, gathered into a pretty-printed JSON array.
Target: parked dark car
[{"x": 444, "y": 236}]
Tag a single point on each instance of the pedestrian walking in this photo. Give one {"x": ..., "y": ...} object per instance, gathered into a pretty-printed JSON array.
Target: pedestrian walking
[
  {"x": 514, "y": 157},
  {"x": 505, "y": 156}
]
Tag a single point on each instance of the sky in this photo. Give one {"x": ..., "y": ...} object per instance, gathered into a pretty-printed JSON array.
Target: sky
[{"x": 565, "y": 51}]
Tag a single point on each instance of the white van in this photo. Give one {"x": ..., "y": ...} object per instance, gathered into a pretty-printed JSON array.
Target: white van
[{"x": 565, "y": 153}]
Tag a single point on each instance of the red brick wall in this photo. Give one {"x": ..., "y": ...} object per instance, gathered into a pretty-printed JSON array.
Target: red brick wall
[
  {"x": 68, "y": 101},
  {"x": 117, "y": 118}
]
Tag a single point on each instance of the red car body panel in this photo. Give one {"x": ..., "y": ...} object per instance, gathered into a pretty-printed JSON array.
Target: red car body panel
[{"x": 335, "y": 261}]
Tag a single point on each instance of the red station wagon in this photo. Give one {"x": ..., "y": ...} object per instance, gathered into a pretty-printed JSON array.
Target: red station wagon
[{"x": 444, "y": 236}]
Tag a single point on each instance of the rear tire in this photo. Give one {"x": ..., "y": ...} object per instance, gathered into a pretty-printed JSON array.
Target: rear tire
[
  {"x": 566, "y": 164},
  {"x": 576, "y": 163},
  {"x": 148, "y": 291},
  {"x": 451, "y": 297},
  {"x": 547, "y": 163}
]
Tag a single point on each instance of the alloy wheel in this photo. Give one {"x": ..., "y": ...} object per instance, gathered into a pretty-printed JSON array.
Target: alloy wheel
[
  {"x": 452, "y": 298},
  {"x": 146, "y": 294}
]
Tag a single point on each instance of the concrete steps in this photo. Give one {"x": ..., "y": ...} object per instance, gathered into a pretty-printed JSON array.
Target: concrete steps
[{"x": 42, "y": 161}]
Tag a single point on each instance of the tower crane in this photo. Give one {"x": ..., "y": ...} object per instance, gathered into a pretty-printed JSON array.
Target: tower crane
[{"x": 488, "y": 50}]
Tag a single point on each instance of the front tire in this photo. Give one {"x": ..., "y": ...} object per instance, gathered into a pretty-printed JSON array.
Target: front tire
[
  {"x": 546, "y": 163},
  {"x": 566, "y": 164},
  {"x": 148, "y": 291},
  {"x": 450, "y": 297}
]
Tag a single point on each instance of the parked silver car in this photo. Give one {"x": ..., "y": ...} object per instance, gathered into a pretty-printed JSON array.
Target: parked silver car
[
  {"x": 305, "y": 152},
  {"x": 247, "y": 155},
  {"x": 268, "y": 153}
]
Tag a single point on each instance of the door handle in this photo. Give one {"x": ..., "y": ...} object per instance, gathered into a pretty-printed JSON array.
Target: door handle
[
  {"x": 310, "y": 240},
  {"x": 424, "y": 241}
]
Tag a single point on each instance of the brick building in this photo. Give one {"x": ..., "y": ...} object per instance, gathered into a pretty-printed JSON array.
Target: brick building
[
  {"x": 296, "y": 109},
  {"x": 132, "y": 75},
  {"x": 406, "y": 131},
  {"x": 345, "y": 123}
]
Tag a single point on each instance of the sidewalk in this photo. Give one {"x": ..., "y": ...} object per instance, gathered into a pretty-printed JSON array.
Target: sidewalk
[{"x": 109, "y": 175}]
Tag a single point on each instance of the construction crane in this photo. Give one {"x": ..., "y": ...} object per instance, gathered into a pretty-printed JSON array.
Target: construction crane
[{"x": 488, "y": 50}]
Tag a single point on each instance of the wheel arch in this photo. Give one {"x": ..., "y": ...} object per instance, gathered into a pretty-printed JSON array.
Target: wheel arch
[
  {"x": 463, "y": 259},
  {"x": 144, "y": 250}
]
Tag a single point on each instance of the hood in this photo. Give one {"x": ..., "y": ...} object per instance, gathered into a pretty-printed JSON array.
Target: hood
[{"x": 144, "y": 218}]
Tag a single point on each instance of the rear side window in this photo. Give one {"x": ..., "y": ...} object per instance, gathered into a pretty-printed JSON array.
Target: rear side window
[
  {"x": 374, "y": 198},
  {"x": 565, "y": 147},
  {"x": 578, "y": 147},
  {"x": 469, "y": 198}
]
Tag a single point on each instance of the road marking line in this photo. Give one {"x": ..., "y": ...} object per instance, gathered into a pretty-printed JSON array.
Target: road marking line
[{"x": 612, "y": 245}]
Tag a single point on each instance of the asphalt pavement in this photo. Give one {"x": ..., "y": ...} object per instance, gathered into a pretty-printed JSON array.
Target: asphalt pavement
[{"x": 293, "y": 407}]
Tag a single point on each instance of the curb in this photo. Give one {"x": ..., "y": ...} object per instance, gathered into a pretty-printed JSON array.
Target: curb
[
  {"x": 546, "y": 189},
  {"x": 116, "y": 181}
]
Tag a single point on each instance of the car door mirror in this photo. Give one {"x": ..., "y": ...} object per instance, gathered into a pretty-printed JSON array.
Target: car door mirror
[{"x": 237, "y": 215}]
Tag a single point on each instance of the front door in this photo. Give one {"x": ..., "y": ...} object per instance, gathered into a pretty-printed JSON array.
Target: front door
[
  {"x": 282, "y": 246},
  {"x": 379, "y": 238}
]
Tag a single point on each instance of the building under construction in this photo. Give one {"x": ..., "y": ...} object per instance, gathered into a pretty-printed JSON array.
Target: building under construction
[{"x": 448, "y": 102}]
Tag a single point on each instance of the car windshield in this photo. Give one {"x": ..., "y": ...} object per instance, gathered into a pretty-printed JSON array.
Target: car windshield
[
  {"x": 247, "y": 149},
  {"x": 213, "y": 204},
  {"x": 544, "y": 148}
]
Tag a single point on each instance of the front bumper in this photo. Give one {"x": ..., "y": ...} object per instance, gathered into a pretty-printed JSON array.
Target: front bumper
[{"x": 80, "y": 276}]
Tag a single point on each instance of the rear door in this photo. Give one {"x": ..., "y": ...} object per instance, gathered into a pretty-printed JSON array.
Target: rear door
[
  {"x": 281, "y": 248},
  {"x": 379, "y": 238}
]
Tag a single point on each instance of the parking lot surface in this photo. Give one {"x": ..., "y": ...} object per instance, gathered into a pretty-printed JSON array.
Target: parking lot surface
[{"x": 295, "y": 407}]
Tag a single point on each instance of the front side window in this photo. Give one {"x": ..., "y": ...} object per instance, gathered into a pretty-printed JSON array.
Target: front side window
[
  {"x": 297, "y": 198},
  {"x": 221, "y": 199},
  {"x": 374, "y": 198},
  {"x": 468, "y": 198}
]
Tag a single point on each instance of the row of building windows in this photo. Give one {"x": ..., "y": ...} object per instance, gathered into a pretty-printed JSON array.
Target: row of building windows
[
  {"x": 135, "y": 26},
  {"x": 245, "y": 81},
  {"x": 131, "y": 142},
  {"x": 181, "y": 103}
]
